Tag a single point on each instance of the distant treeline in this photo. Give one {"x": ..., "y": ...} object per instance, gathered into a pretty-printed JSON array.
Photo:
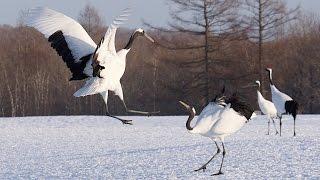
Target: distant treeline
[{"x": 35, "y": 81}]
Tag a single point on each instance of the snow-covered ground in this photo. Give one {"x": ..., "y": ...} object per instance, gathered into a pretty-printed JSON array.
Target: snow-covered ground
[{"x": 154, "y": 148}]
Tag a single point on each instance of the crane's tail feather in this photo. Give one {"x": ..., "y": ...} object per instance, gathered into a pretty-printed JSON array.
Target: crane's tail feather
[
  {"x": 292, "y": 107},
  {"x": 92, "y": 86},
  {"x": 84, "y": 92}
]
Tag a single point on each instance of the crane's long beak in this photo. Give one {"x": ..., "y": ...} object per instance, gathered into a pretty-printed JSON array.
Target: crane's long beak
[
  {"x": 184, "y": 104},
  {"x": 190, "y": 109},
  {"x": 150, "y": 38},
  {"x": 249, "y": 86}
]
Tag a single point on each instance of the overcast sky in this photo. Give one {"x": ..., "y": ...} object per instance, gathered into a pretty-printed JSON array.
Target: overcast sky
[{"x": 153, "y": 11}]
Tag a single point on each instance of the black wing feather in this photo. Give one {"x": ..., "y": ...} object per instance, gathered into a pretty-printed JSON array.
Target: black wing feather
[
  {"x": 291, "y": 107},
  {"x": 240, "y": 106},
  {"x": 59, "y": 43}
]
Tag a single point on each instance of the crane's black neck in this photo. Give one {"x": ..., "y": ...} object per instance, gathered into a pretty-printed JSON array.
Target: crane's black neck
[
  {"x": 270, "y": 77},
  {"x": 132, "y": 38},
  {"x": 191, "y": 116},
  {"x": 258, "y": 87}
]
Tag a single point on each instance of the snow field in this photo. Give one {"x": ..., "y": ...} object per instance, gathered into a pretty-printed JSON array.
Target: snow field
[{"x": 97, "y": 147}]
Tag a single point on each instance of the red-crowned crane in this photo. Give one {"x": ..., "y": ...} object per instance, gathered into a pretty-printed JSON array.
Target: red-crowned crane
[
  {"x": 100, "y": 64},
  {"x": 283, "y": 103},
  {"x": 267, "y": 108},
  {"x": 220, "y": 118}
]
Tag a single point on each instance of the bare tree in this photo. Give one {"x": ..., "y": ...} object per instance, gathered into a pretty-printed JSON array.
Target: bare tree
[
  {"x": 305, "y": 53},
  {"x": 265, "y": 16},
  {"x": 208, "y": 24},
  {"x": 91, "y": 21},
  {"x": 21, "y": 18},
  {"x": 34, "y": 79}
]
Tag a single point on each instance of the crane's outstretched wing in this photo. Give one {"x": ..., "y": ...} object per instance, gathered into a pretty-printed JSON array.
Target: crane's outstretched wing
[
  {"x": 66, "y": 36},
  {"x": 106, "y": 50}
]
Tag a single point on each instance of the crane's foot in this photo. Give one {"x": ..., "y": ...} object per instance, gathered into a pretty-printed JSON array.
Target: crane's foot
[
  {"x": 294, "y": 134},
  {"x": 217, "y": 174},
  {"x": 124, "y": 121},
  {"x": 204, "y": 167},
  {"x": 153, "y": 113},
  {"x": 268, "y": 133},
  {"x": 277, "y": 132},
  {"x": 128, "y": 122}
]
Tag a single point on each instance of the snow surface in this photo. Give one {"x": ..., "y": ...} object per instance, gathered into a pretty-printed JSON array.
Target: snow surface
[{"x": 94, "y": 147}]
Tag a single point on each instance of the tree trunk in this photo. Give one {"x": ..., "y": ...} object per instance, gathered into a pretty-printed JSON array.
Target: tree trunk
[
  {"x": 260, "y": 47},
  {"x": 206, "y": 52}
]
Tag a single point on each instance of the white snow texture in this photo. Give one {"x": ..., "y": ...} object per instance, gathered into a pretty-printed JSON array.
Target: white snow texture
[{"x": 95, "y": 147}]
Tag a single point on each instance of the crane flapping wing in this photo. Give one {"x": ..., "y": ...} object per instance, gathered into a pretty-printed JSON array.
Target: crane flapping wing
[
  {"x": 66, "y": 36},
  {"x": 105, "y": 51},
  {"x": 106, "y": 48}
]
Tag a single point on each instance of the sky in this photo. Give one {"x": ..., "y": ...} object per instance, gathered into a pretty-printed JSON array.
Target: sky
[{"x": 155, "y": 12}]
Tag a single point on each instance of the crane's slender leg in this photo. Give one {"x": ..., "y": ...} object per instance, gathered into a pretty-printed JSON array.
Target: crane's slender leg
[
  {"x": 118, "y": 91},
  {"x": 105, "y": 98},
  {"x": 268, "y": 126},
  {"x": 223, "y": 154},
  {"x": 274, "y": 125},
  {"x": 139, "y": 112},
  {"x": 124, "y": 121},
  {"x": 294, "y": 126},
  {"x": 204, "y": 167},
  {"x": 280, "y": 124}
]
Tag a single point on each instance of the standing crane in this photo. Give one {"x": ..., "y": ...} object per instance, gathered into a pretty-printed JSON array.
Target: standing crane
[
  {"x": 267, "y": 108},
  {"x": 283, "y": 103}
]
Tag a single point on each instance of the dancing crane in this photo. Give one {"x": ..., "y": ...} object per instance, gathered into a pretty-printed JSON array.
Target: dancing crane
[{"x": 100, "y": 64}]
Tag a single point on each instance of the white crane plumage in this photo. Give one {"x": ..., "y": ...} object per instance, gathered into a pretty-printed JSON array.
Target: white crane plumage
[
  {"x": 283, "y": 103},
  {"x": 100, "y": 64},
  {"x": 220, "y": 118},
  {"x": 266, "y": 107}
]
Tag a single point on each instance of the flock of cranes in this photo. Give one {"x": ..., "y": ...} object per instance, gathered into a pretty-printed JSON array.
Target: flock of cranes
[
  {"x": 226, "y": 115},
  {"x": 220, "y": 118},
  {"x": 102, "y": 67}
]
